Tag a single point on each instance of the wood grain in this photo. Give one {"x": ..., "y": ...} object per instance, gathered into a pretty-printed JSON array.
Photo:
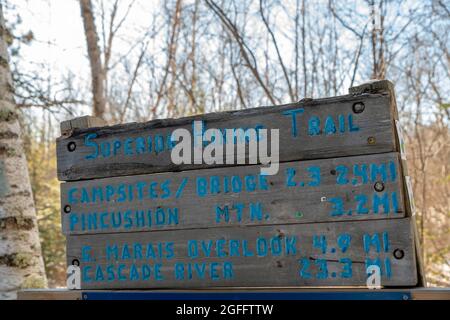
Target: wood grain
[
  {"x": 288, "y": 255},
  {"x": 375, "y": 121},
  {"x": 301, "y": 192}
]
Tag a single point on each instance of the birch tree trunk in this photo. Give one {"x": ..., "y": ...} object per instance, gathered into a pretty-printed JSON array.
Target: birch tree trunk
[
  {"x": 21, "y": 263},
  {"x": 94, "y": 53}
]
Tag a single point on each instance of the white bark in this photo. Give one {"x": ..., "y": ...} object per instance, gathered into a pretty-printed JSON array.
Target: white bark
[{"x": 21, "y": 263}]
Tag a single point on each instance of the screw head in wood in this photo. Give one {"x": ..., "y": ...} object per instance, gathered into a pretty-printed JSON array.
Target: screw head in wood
[
  {"x": 358, "y": 107},
  {"x": 76, "y": 262},
  {"x": 299, "y": 214},
  {"x": 378, "y": 186},
  {"x": 371, "y": 140},
  {"x": 71, "y": 146},
  {"x": 399, "y": 254}
]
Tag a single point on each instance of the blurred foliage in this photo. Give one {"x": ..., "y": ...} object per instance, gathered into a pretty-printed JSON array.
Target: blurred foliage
[
  {"x": 42, "y": 169},
  {"x": 428, "y": 154},
  {"x": 39, "y": 145}
]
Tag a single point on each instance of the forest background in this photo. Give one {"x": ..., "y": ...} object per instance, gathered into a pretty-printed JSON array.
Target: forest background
[{"x": 141, "y": 60}]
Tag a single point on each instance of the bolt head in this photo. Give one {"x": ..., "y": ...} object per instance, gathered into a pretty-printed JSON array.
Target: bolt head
[
  {"x": 399, "y": 254},
  {"x": 358, "y": 107},
  {"x": 379, "y": 186},
  {"x": 75, "y": 262},
  {"x": 71, "y": 146}
]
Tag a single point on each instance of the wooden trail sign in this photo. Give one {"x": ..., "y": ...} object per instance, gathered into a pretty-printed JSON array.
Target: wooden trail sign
[
  {"x": 313, "y": 129},
  {"x": 349, "y": 188},
  {"x": 337, "y": 207},
  {"x": 321, "y": 254}
]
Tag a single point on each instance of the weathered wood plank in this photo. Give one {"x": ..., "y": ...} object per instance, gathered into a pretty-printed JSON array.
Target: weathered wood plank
[
  {"x": 84, "y": 122},
  {"x": 320, "y": 254},
  {"x": 138, "y": 148},
  {"x": 49, "y": 294},
  {"x": 372, "y": 86},
  {"x": 339, "y": 189},
  {"x": 431, "y": 294},
  {"x": 376, "y": 86}
]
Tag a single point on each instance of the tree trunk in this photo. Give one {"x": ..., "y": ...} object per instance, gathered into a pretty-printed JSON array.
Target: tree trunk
[
  {"x": 21, "y": 263},
  {"x": 97, "y": 72}
]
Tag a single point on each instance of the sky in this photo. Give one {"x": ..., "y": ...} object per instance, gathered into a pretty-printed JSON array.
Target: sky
[
  {"x": 61, "y": 46},
  {"x": 59, "y": 34},
  {"x": 59, "y": 41},
  {"x": 59, "y": 38}
]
